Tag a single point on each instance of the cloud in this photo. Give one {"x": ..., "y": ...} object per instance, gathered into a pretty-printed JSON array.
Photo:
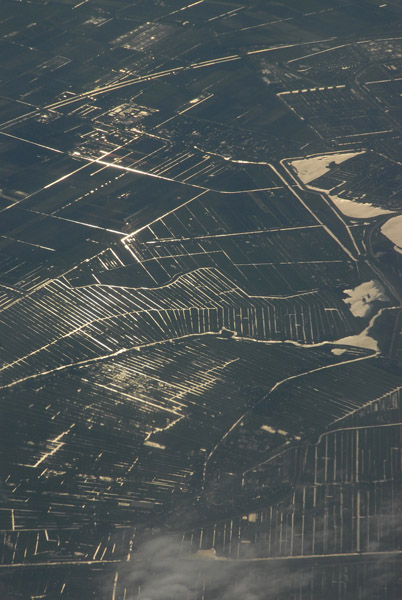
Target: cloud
[{"x": 164, "y": 569}]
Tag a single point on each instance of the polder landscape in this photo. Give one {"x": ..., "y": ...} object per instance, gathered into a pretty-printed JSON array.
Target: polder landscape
[{"x": 201, "y": 300}]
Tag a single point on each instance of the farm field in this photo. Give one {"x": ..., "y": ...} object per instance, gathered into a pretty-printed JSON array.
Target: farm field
[{"x": 200, "y": 300}]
